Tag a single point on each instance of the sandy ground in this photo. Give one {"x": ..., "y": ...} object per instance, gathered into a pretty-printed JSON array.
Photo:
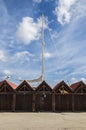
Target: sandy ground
[{"x": 42, "y": 121}]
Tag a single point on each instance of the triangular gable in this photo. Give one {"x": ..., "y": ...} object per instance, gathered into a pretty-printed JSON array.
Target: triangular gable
[
  {"x": 24, "y": 86},
  {"x": 6, "y": 87},
  {"x": 14, "y": 86},
  {"x": 43, "y": 87},
  {"x": 78, "y": 87},
  {"x": 62, "y": 87}
]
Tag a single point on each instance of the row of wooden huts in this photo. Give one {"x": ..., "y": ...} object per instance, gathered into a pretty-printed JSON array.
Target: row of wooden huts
[{"x": 43, "y": 97}]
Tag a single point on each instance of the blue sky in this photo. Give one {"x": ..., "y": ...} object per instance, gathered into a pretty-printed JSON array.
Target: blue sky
[{"x": 65, "y": 40}]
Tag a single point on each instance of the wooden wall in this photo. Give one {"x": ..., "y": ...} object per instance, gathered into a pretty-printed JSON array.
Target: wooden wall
[
  {"x": 43, "y": 98},
  {"x": 43, "y": 102},
  {"x": 23, "y": 102},
  {"x": 6, "y": 101},
  {"x": 63, "y": 102}
]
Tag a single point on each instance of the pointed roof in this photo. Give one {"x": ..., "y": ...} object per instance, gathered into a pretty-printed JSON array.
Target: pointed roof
[
  {"x": 26, "y": 85},
  {"x": 43, "y": 85},
  {"x": 76, "y": 85},
  {"x": 12, "y": 85},
  {"x": 60, "y": 84}
]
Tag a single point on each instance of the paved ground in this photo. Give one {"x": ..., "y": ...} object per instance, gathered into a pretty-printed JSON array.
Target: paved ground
[{"x": 42, "y": 121}]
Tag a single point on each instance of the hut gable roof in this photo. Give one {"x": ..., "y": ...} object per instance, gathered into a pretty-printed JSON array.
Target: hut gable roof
[
  {"x": 24, "y": 86},
  {"x": 76, "y": 87},
  {"x": 7, "y": 86},
  {"x": 62, "y": 86},
  {"x": 43, "y": 87}
]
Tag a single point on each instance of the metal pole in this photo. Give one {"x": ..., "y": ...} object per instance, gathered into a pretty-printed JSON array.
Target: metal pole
[{"x": 42, "y": 47}]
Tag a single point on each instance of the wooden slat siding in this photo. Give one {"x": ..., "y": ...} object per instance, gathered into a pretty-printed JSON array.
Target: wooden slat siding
[
  {"x": 80, "y": 102},
  {"x": 73, "y": 103},
  {"x": 33, "y": 102},
  {"x": 6, "y": 102},
  {"x": 63, "y": 102},
  {"x": 53, "y": 102},
  {"x": 24, "y": 102},
  {"x": 57, "y": 102},
  {"x": 43, "y": 104},
  {"x": 14, "y": 102}
]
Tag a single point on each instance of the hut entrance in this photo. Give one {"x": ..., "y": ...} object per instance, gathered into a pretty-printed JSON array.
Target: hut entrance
[
  {"x": 44, "y": 102},
  {"x": 43, "y": 97}
]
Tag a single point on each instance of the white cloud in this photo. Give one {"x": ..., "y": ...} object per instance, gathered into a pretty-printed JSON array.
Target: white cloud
[
  {"x": 2, "y": 56},
  {"x": 37, "y": 1},
  {"x": 28, "y": 30},
  {"x": 83, "y": 79},
  {"x": 22, "y": 57},
  {"x": 7, "y": 72},
  {"x": 63, "y": 10},
  {"x": 23, "y": 53},
  {"x": 68, "y": 48},
  {"x": 47, "y": 55},
  {"x": 48, "y": 0},
  {"x": 74, "y": 80}
]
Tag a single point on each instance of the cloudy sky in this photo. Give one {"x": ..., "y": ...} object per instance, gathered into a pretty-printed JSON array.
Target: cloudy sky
[{"x": 65, "y": 40}]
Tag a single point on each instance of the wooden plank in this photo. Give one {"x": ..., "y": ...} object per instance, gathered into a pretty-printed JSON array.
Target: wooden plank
[
  {"x": 73, "y": 106},
  {"x": 53, "y": 102},
  {"x": 33, "y": 103},
  {"x": 14, "y": 102}
]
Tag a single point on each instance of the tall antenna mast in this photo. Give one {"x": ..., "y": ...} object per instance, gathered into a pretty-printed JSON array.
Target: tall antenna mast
[{"x": 42, "y": 47}]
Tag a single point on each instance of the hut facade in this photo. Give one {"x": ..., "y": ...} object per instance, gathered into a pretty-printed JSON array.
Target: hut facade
[
  {"x": 79, "y": 96},
  {"x": 24, "y": 98},
  {"x": 43, "y": 97},
  {"x": 63, "y": 97},
  {"x": 6, "y": 95}
]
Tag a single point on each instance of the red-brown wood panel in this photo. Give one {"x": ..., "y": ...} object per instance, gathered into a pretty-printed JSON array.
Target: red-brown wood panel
[
  {"x": 80, "y": 102},
  {"x": 63, "y": 102},
  {"x": 23, "y": 102},
  {"x": 6, "y": 101},
  {"x": 43, "y": 102}
]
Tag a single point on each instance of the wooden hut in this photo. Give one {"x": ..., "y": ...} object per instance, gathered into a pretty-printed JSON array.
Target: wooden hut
[
  {"x": 43, "y": 97},
  {"x": 79, "y": 96},
  {"x": 6, "y": 95},
  {"x": 63, "y": 97},
  {"x": 24, "y": 97}
]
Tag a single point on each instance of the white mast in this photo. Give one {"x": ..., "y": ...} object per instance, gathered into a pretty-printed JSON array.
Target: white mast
[
  {"x": 41, "y": 78},
  {"x": 42, "y": 47}
]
